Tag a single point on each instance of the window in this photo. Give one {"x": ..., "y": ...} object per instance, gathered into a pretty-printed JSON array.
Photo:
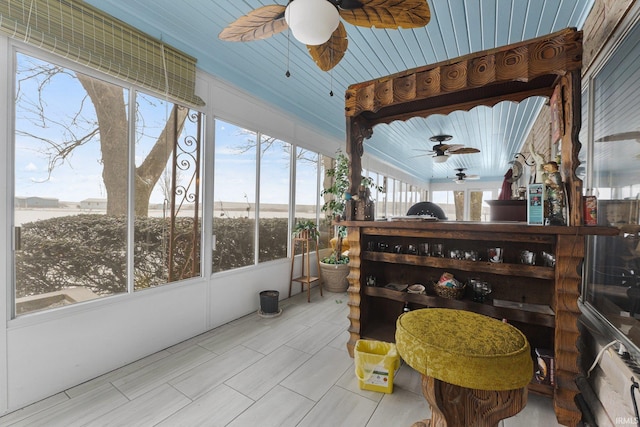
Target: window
[
  {"x": 445, "y": 199},
  {"x": 478, "y": 208},
  {"x": 167, "y": 193},
  {"x": 72, "y": 189},
  {"x": 234, "y": 195},
  {"x": 275, "y": 167},
  {"x": 307, "y": 190},
  {"x": 242, "y": 155},
  {"x": 381, "y": 202},
  {"x": 612, "y": 285}
]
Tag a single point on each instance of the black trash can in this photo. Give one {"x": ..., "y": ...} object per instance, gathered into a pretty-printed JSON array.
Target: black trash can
[{"x": 269, "y": 302}]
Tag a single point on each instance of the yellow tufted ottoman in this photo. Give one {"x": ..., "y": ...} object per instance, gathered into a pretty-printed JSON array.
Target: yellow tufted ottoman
[{"x": 475, "y": 369}]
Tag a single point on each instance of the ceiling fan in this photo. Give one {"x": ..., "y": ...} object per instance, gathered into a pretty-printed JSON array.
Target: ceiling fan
[
  {"x": 441, "y": 152},
  {"x": 622, "y": 136},
  {"x": 461, "y": 177},
  {"x": 317, "y": 24}
]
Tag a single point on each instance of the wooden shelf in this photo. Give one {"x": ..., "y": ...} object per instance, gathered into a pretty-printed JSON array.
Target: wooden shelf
[
  {"x": 305, "y": 279},
  {"x": 487, "y": 308},
  {"x": 504, "y": 269}
]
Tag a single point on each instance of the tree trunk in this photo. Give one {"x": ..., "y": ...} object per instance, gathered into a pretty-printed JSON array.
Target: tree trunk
[
  {"x": 113, "y": 125},
  {"x": 111, "y": 111}
]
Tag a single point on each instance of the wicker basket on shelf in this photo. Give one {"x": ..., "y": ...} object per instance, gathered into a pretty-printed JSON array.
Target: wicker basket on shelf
[{"x": 448, "y": 292}]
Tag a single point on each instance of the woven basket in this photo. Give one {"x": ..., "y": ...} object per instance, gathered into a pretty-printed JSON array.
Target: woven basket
[{"x": 450, "y": 293}]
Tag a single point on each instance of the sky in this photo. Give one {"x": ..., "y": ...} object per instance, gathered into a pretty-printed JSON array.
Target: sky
[{"x": 69, "y": 114}]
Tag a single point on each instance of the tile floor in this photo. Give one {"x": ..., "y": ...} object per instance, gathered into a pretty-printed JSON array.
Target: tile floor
[{"x": 290, "y": 370}]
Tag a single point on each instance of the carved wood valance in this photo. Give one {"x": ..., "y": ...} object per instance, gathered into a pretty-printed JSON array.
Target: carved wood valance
[
  {"x": 513, "y": 73},
  {"x": 509, "y": 73}
]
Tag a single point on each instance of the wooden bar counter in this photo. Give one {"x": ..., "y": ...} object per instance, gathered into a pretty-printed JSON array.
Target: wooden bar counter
[{"x": 541, "y": 300}]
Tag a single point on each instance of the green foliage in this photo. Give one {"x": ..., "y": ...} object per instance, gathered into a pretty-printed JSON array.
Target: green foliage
[
  {"x": 306, "y": 225},
  {"x": 335, "y": 259},
  {"x": 339, "y": 174},
  {"x": 335, "y": 205},
  {"x": 90, "y": 251},
  {"x": 81, "y": 250},
  {"x": 234, "y": 241}
]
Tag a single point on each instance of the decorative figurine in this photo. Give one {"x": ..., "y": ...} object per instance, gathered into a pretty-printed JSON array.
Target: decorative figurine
[
  {"x": 555, "y": 193},
  {"x": 538, "y": 161}
]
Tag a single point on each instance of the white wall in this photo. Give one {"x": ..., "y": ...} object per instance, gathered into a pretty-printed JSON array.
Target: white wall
[{"x": 45, "y": 353}]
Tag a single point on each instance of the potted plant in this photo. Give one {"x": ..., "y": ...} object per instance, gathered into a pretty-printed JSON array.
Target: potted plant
[
  {"x": 306, "y": 229},
  {"x": 334, "y": 267}
]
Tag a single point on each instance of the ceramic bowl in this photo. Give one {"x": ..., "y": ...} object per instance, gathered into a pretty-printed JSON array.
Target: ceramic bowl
[{"x": 416, "y": 289}]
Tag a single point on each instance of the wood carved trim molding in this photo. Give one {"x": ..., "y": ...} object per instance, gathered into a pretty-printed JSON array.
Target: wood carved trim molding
[{"x": 513, "y": 72}]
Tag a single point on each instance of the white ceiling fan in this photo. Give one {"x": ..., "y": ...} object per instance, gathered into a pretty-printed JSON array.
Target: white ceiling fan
[
  {"x": 441, "y": 152},
  {"x": 461, "y": 177}
]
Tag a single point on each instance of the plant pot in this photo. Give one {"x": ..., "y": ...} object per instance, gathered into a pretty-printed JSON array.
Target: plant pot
[
  {"x": 334, "y": 277},
  {"x": 269, "y": 302}
]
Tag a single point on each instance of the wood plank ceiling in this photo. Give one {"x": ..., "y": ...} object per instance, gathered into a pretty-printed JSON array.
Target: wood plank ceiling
[{"x": 457, "y": 27}]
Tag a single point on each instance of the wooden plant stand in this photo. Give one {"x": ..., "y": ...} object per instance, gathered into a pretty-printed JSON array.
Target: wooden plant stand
[{"x": 305, "y": 276}]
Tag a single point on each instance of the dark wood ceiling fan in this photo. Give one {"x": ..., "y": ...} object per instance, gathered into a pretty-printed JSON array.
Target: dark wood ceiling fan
[
  {"x": 441, "y": 152},
  {"x": 269, "y": 20}
]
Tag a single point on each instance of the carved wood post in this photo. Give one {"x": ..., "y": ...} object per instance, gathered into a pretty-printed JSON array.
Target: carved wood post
[
  {"x": 358, "y": 129},
  {"x": 572, "y": 118}
]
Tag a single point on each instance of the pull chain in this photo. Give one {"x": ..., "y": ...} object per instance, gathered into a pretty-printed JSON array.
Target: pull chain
[
  {"x": 331, "y": 90},
  {"x": 288, "y": 74},
  {"x": 331, "y": 71}
]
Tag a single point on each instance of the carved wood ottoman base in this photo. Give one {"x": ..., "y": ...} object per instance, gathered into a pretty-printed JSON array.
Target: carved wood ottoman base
[{"x": 455, "y": 406}]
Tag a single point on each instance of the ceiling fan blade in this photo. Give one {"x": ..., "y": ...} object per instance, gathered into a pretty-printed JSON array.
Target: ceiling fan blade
[
  {"x": 623, "y": 136},
  {"x": 464, "y": 150},
  {"x": 448, "y": 147},
  {"x": 392, "y": 14},
  {"x": 472, "y": 177},
  {"x": 258, "y": 24},
  {"x": 328, "y": 54}
]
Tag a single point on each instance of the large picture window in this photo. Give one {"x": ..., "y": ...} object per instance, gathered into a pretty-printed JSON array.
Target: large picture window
[{"x": 72, "y": 209}]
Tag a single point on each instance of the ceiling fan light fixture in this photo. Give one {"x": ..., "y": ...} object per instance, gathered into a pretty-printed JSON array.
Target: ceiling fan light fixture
[
  {"x": 440, "y": 158},
  {"x": 312, "y": 21}
]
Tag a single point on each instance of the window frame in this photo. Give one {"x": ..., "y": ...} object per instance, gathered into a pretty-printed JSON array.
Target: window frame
[
  {"x": 16, "y": 47},
  {"x": 604, "y": 326}
]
